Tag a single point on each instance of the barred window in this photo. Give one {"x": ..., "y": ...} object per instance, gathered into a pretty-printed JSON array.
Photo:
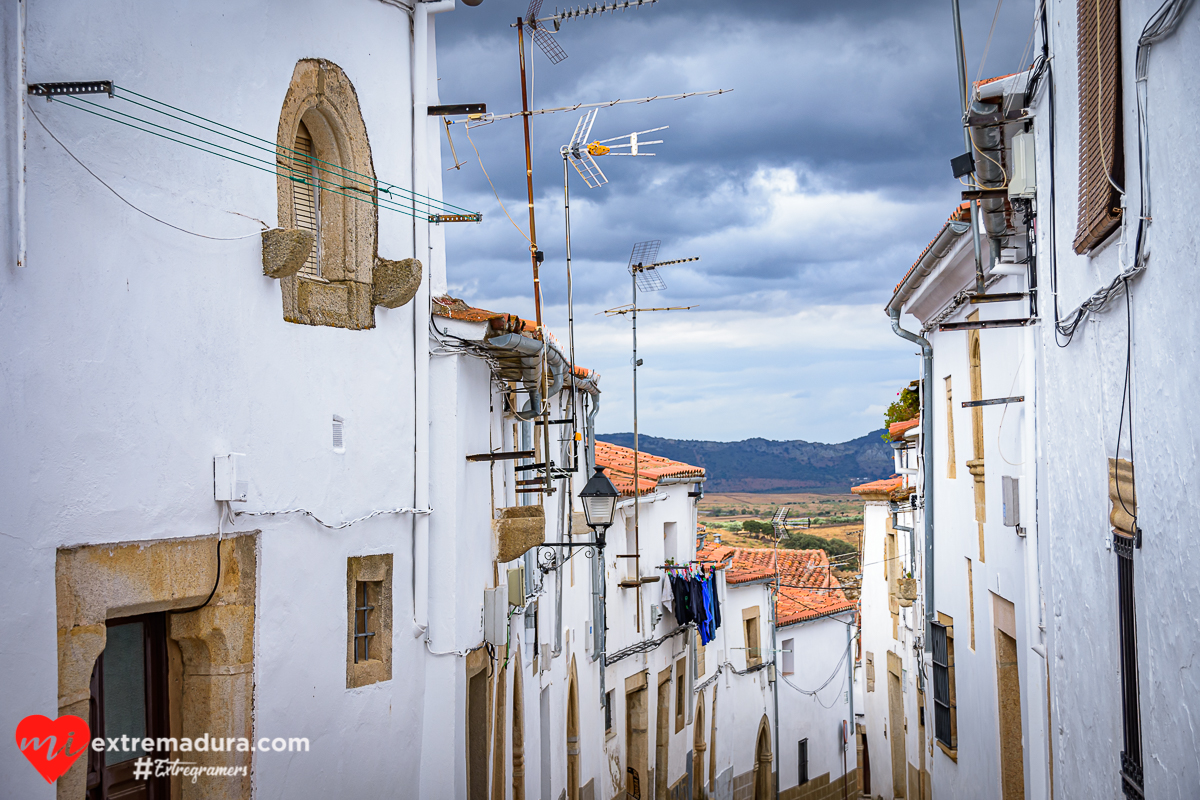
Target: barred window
[
  {"x": 943, "y": 687},
  {"x": 1101, "y": 138}
]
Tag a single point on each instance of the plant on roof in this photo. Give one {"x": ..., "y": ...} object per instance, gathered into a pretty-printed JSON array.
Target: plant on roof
[{"x": 906, "y": 406}]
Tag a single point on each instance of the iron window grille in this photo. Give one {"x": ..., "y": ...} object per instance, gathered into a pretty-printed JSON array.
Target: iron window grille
[
  {"x": 362, "y": 632},
  {"x": 942, "y": 728},
  {"x": 802, "y": 760}
]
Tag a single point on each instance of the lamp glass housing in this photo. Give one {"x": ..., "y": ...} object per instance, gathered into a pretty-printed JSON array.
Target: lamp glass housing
[{"x": 599, "y": 498}]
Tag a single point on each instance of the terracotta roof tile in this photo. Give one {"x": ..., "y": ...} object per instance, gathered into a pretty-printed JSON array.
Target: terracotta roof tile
[
  {"x": 498, "y": 323},
  {"x": 808, "y": 587},
  {"x": 885, "y": 486},
  {"x": 897, "y": 428},
  {"x": 619, "y": 463}
]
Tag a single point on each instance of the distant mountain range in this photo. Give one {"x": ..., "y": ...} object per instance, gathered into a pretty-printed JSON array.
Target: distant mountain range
[{"x": 763, "y": 465}]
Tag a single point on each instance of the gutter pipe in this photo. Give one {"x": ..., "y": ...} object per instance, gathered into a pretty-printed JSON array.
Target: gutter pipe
[
  {"x": 950, "y": 234},
  {"x": 531, "y": 351},
  {"x": 927, "y": 465},
  {"x": 420, "y": 306}
]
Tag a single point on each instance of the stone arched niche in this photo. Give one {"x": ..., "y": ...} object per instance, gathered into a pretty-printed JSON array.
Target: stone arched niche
[{"x": 339, "y": 180}]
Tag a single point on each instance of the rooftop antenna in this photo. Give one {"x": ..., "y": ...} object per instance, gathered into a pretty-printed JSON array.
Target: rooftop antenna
[
  {"x": 581, "y": 154},
  {"x": 643, "y": 271}
]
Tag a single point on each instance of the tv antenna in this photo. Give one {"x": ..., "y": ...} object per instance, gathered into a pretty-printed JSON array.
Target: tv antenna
[
  {"x": 643, "y": 271},
  {"x": 583, "y": 153},
  {"x": 545, "y": 40}
]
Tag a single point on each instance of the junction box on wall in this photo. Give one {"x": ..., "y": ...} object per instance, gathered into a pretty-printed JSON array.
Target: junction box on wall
[{"x": 227, "y": 485}]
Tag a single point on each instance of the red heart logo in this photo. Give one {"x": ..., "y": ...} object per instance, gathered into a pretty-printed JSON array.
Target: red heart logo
[{"x": 52, "y": 745}]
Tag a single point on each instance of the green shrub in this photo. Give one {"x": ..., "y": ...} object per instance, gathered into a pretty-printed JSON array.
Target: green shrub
[
  {"x": 832, "y": 547},
  {"x": 906, "y": 406}
]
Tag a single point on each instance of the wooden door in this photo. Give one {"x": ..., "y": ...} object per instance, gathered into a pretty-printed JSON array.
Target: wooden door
[{"x": 129, "y": 698}]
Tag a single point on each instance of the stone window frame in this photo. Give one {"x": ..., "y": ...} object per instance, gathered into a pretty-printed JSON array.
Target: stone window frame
[
  {"x": 210, "y": 645},
  {"x": 681, "y": 703},
  {"x": 378, "y": 668},
  {"x": 751, "y": 617},
  {"x": 354, "y": 279}
]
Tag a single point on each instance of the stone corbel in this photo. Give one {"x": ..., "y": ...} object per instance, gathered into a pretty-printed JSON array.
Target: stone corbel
[
  {"x": 284, "y": 251},
  {"x": 1121, "y": 493},
  {"x": 394, "y": 283},
  {"x": 518, "y": 529}
]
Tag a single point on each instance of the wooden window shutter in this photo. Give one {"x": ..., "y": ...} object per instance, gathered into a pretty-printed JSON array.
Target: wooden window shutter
[
  {"x": 1101, "y": 139},
  {"x": 305, "y": 197}
]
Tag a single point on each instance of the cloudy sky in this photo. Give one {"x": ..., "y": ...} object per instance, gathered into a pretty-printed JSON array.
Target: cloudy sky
[{"x": 806, "y": 192}]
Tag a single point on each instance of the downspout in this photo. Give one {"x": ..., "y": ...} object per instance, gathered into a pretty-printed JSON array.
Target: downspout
[
  {"x": 927, "y": 465},
  {"x": 420, "y": 540},
  {"x": 20, "y": 154},
  {"x": 421, "y": 23}
]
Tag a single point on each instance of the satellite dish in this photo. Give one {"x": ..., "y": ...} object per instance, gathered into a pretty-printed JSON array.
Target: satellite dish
[{"x": 472, "y": 2}]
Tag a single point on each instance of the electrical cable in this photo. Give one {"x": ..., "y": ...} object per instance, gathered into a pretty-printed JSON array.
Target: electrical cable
[
  {"x": 398, "y": 199},
  {"x": 489, "y": 180},
  {"x": 331, "y": 526},
  {"x": 988, "y": 45},
  {"x": 223, "y": 509},
  {"x": 126, "y": 202}
]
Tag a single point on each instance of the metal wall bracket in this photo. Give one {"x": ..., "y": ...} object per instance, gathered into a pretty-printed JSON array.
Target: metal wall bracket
[
  {"x": 438, "y": 219},
  {"x": 999, "y": 401},
  {"x": 48, "y": 90},
  {"x": 985, "y": 323}
]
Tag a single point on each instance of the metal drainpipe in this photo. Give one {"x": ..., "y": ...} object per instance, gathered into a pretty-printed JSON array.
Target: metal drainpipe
[
  {"x": 775, "y": 663},
  {"x": 927, "y": 466}
]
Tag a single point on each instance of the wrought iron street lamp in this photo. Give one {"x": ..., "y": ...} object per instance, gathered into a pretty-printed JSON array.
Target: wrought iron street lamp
[{"x": 599, "y": 498}]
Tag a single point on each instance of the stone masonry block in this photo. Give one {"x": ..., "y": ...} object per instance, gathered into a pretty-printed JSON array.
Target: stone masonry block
[
  {"x": 284, "y": 251},
  {"x": 518, "y": 529}
]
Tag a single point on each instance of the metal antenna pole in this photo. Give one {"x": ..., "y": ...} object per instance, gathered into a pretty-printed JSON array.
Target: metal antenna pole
[
  {"x": 570, "y": 311},
  {"x": 636, "y": 540},
  {"x": 533, "y": 250},
  {"x": 966, "y": 107}
]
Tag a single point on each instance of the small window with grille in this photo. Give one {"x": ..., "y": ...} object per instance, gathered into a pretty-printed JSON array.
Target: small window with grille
[
  {"x": 366, "y": 601},
  {"x": 802, "y": 760},
  {"x": 369, "y": 618},
  {"x": 944, "y": 712}
]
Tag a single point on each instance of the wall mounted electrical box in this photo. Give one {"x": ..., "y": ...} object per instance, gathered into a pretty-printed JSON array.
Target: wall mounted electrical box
[
  {"x": 228, "y": 486},
  {"x": 516, "y": 586},
  {"x": 495, "y": 615},
  {"x": 1023, "y": 182},
  {"x": 1012, "y": 502}
]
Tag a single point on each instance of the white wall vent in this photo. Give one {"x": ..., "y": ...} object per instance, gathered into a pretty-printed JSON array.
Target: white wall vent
[{"x": 339, "y": 440}]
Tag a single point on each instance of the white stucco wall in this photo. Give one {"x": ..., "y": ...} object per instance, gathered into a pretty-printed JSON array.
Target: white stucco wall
[
  {"x": 877, "y": 639},
  {"x": 1079, "y": 420}
]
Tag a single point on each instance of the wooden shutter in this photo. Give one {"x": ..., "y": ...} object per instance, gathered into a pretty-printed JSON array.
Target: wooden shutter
[
  {"x": 304, "y": 197},
  {"x": 1101, "y": 139}
]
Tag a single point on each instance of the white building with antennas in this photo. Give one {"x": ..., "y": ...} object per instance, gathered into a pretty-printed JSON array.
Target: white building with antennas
[{"x": 262, "y": 486}]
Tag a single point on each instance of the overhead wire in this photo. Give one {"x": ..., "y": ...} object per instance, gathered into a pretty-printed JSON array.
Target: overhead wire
[
  {"x": 330, "y": 177},
  {"x": 524, "y": 235},
  {"x": 121, "y": 197}
]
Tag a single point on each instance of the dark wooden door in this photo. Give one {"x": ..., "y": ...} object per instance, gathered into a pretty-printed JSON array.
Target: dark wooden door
[{"x": 129, "y": 698}]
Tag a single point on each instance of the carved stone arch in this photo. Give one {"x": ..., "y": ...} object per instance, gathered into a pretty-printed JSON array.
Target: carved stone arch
[
  {"x": 347, "y": 279},
  {"x": 763, "y": 778},
  {"x": 698, "y": 748},
  {"x": 573, "y": 733}
]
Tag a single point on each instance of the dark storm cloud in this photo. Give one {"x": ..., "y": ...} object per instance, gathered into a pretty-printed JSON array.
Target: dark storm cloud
[{"x": 816, "y": 182}]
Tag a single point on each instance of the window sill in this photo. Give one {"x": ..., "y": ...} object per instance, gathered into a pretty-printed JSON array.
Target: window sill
[{"x": 953, "y": 754}]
